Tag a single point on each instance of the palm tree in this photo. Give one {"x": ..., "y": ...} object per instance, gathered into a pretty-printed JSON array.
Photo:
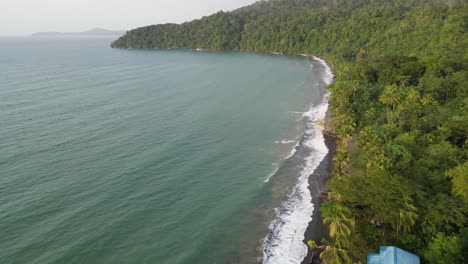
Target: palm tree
[
  {"x": 378, "y": 159},
  {"x": 313, "y": 246},
  {"x": 340, "y": 225},
  {"x": 405, "y": 218},
  {"x": 391, "y": 96},
  {"x": 345, "y": 127},
  {"x": 369, "y": 139},
  {"x": 341, "y": 160},
  {"x": 335, "y": 255},
  {"x": 354, "y": 88}
]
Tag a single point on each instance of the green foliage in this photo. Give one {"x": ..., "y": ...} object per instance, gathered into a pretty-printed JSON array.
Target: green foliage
[
  {"x": 398, "y": 107},
  {"x": 337, "y": 27},
  {"x": 444, "y": 249},
  {"x": 459, "y": 176},
  {"x": 312, "y": 244},
  {"x": 381, "y": 196},
  {"x": 371, "y": 235},
  {"x": 442, "y": 213},
  {"x": 338, "y": 217},
  {"x": 464, "y": 242},
  {"x": 335, "y": 255},
  {"x": 409, "y": 241}
]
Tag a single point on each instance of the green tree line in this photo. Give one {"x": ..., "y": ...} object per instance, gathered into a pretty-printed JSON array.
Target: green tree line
[{"x": 398, "y": 109}]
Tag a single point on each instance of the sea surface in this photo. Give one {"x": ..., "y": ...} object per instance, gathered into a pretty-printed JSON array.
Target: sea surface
[{"x": 155, "y": 156}]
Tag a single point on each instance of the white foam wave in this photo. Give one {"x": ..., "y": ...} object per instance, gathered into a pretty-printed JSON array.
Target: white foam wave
[
  {"x": 285, "y": 141},
  {"x": 285, "y": 244},
  {"x": 293, "y": 151},
  {"x": 300, "y": 84},
  {"x": 296, "y": 113},
  {"x": 299, "y": 114},
  {"x": 267, "y": 179},
  {"x": 328, "y": 77}
]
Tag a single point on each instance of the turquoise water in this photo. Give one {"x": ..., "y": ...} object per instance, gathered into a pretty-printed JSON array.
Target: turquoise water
[{"x": 144, "y": 156}]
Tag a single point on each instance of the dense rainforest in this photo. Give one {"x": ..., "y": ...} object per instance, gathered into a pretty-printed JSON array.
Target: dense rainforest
[{"x": 398, "y": 109}]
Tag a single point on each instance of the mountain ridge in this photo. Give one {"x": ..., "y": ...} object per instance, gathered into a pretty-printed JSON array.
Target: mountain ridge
[{"x": 97, "y": 31}]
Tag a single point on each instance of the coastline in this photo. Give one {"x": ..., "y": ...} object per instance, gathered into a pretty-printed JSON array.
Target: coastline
[
  {"x": 317, "y": 229},
  {"x": 295, "y": 221},
  {"x": 316, "y": 180},
  {"x": 369, "y": 64},
  {"x": 314, "y": 229},
  {"x": 310, "y": 56}
]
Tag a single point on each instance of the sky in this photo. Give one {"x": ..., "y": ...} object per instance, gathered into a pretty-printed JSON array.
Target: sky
[{"x": 24, "y": 17}]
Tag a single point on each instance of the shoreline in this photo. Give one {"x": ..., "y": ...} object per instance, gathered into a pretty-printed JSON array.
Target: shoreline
[
  {"x": 242, "y": 51},
  {"x": 316, "y": 229},
  {"x": 286, "y": 242}
]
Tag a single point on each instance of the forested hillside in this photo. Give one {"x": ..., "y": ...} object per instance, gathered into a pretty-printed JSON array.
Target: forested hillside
[{"x": 398, "y": 108}]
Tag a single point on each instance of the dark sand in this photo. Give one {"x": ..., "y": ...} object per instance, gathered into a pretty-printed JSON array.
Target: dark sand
[{"x": 316, "y": 229}]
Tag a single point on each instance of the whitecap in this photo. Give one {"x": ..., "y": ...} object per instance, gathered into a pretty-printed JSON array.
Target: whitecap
[
  {"x": 285, "y": 141},
  {"x": 296, "y": 113},
  {"x": 267, "y": 179},
  {"x": 293, "y": 151}
]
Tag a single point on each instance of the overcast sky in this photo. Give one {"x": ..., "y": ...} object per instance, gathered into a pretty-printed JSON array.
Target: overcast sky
[{"x": 23, "y": 17}]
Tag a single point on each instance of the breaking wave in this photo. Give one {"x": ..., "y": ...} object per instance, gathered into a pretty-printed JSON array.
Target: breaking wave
[{"x": 284, "y": 243}]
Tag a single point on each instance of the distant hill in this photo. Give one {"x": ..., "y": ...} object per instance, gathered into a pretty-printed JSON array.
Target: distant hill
[{"x": 92, "y": 32}]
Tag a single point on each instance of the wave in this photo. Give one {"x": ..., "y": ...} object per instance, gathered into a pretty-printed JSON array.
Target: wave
[
  {"x": 267, "y": 179},
  {"x": 328, "y": 78},
  {"x": 285, "y": 141},
  {"x": 293, "y": 151},
  {"x": 300, "y": 84},
  {"x": 284, "y": 244}
]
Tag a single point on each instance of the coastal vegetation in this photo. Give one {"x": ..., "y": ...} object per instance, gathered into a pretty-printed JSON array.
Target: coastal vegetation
[{"x": 398, "y": 109}]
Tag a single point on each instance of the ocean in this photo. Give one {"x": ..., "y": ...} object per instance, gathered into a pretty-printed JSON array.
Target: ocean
[{"x": 155, "y": 156}]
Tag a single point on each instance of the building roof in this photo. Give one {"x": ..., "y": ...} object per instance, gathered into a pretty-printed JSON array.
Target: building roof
[{"x": 392, "y": 255}]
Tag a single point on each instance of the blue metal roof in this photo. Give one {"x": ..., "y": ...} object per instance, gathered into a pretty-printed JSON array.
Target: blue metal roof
[{"x": 392, "y": 255}]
